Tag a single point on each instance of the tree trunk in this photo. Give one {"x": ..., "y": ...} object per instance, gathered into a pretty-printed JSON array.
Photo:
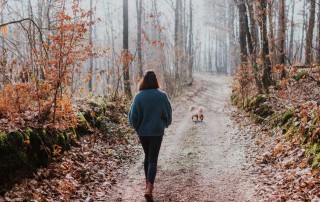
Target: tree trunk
[
  {"x": 292, "y": 33},
  {"x": 266, "y": 74},
  {"x": 304, "y": 27},
  {"x": 91, "y": 58},
  {"x": 318, "y": 33},
  {"x": 125, "y": 54},
  {"x": 231, "y": 38},
  {"x": 176, "y": 38},
  {"x": 282, "y": 32},
  {"x": 246, "y": 27},
  {"x": 309, "y": 37},
  {"x": 139, "y": 40},
  {"x": 242, "y": 31},
  {"x": 190, "y": 42},
  {"x": 272, "y": 44}
]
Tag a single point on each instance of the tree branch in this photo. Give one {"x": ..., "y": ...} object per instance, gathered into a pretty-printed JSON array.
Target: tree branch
[{"x": 34, "y": 23}]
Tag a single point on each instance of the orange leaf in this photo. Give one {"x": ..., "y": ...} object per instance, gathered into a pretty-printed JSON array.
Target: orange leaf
[{"x": 4, "y": 31}]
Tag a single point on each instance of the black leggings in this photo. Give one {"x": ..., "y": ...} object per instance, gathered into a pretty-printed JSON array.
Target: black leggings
[{"x": 151, "y": 147}]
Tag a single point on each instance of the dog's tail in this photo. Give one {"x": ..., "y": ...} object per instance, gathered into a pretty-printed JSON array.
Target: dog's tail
[{"x": 201, "y": 109}]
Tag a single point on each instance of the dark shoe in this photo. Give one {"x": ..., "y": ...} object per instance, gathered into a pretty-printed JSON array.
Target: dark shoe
[{"x": 148, "y": 197}]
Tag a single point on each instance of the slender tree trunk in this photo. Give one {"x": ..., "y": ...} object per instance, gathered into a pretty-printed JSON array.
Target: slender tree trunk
[
  {"x": 3, "y": 57},
  {"x": 291, "y": 33},
  {"x": 125, "y": 51},
  {"x": 266, "y": 74},
  {"x": 282, "y": 32},
  {"x": 247, "y": 14},
  {"x": 272, "y": 44},
  {"x": 190, "y": 41},
  {"x": 176, "y": 38},
  {"x": 91, "y": 58},
  {"x": 304, "y": 27},
  {"x": 242, "y": 31},
  {"x": 309, "y": 37},
  {"x": 231, "y": 37},
  {"x": 318, "y": 33},
  {"x": 139, "y": 41}
]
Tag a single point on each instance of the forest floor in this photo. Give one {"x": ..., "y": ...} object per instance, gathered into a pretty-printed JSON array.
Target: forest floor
[{"x": 224, "y": 158}]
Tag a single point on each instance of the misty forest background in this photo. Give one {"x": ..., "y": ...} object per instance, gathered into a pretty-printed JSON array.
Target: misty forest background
[
  {"x": 71, "y": 67},
  {"x": 103, "y": 47}
]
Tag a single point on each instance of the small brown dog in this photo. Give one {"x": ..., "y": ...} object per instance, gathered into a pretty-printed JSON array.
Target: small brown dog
[{"x": 198, "y": 114}]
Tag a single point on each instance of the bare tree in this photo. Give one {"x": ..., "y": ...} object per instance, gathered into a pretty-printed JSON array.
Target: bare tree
[
  {"x": 176, "y": 37},
  {"x": 139, "y": 41},
  {"x": 242, "y": 31},
  {"x": 266, "y": 74},
  {"x": 125, "y": 51},
  {"x": 190, "y": 41},
  {"x": 91, "y": 58},
  {"x": 282, "y": 32},
  {"x": 290, "y": 54},
  {"x": 318, "y": 58},
  {"x": 309, "y": 37}
]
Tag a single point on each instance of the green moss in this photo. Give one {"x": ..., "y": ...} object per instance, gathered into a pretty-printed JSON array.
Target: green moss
[
  {"x": 246, "y": 104},
  {"x": 15, "y": 139},
  {"x": 300, "y": 75},
  {"x": 263, "y": 110},
  {"x": 83, "y": 125},
  {"x": 315, "y": 149},
  {"x": 28, "y": 131},
  {"x": 256, "y": 102},
  {"x": 315, "y": 161},
  {"x": 62, "y": 141},
  {"x": 289, "y": 132},
  {"x": 286, "y": 116},
  {"x": 257, "y": 119},
  {"x": 261, "y": 98},
  {"x": 315, "y": 120},
  {"x": 3, "y": 139},
  {"x": 288, "y": 126},
  {"x": 234, "y": 99}
]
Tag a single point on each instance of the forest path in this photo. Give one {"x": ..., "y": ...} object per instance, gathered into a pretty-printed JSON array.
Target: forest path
[{"x": 203, "y": 161}]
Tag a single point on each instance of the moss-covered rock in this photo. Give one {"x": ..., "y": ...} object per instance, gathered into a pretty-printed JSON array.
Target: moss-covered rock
[
  {"x": 256, "y": 118},
  {"x": 104, "y": 124},
  {"x": 286, "y": 116},
  {"x": 62, "y": 141},
  {"x": 83, "y": 125},
  {"x": 255, "y": 102},
  {"x": 263, "y": 110},
  {"x": 3, "y": 139},
  {"x": 26, "y": 133},
  {"x": 15, "y": 139}
]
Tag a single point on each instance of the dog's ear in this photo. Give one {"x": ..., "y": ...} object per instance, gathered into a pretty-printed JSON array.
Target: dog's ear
[{"x": 201, "y": 109}]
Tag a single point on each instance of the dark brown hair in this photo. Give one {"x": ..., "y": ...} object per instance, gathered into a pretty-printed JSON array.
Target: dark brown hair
[{"x": 148, "y": 81}]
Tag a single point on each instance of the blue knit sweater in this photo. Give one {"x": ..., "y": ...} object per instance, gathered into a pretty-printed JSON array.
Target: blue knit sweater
[{"x": 150, "y": 112}]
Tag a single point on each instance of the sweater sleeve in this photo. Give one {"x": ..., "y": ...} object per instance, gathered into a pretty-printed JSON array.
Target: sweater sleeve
[
  {"x": 168, "y": 111},
  {"x": 133, "y": 113}
]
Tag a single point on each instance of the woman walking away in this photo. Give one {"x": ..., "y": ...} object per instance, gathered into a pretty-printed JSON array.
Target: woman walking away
[{"x": 150, "y": 114}]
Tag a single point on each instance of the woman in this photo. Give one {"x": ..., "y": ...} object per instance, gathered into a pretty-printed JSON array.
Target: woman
[{"x": 150, "y": 114}]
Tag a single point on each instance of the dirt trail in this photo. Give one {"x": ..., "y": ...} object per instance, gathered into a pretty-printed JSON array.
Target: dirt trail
[{"x": 202, "y": 161}]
